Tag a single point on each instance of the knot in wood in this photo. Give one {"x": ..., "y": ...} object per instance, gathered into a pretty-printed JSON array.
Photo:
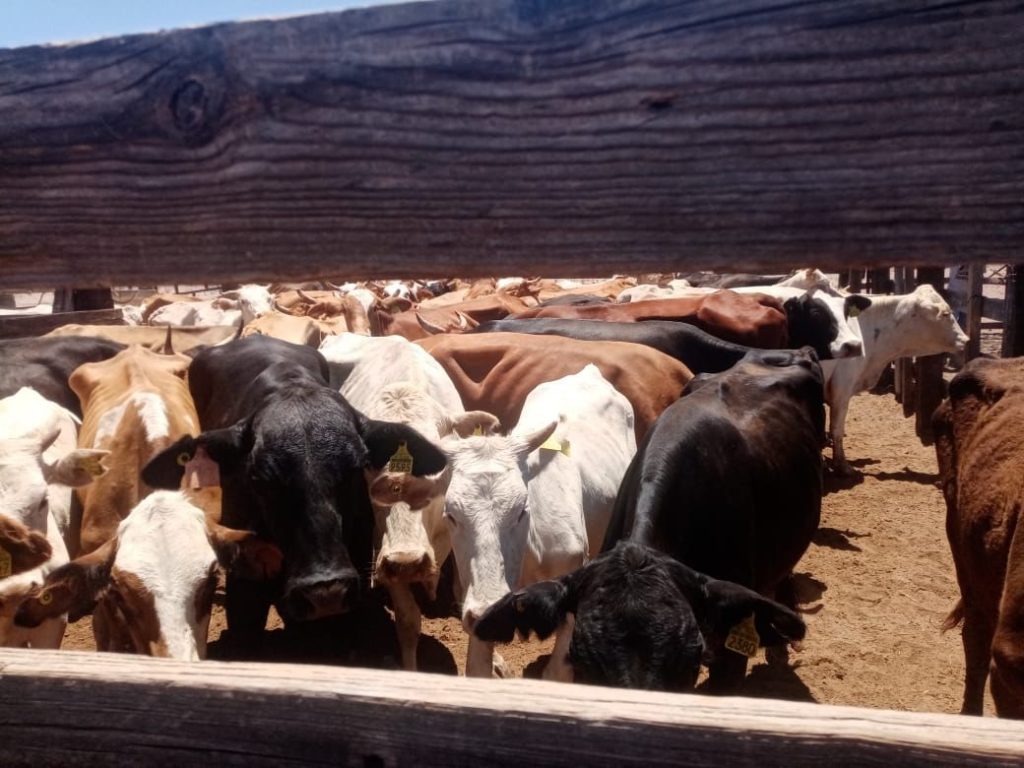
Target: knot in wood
[{"x": 189, "y": 105}]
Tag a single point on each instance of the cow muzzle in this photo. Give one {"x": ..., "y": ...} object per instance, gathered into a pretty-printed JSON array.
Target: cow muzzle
[
  {"x": 850, "y": 349},
  {"x": 404, "y": 567},
  {"x": 320, "y": 599}
]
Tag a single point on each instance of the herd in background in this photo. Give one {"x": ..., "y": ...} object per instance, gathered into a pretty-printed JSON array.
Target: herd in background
[{"x": 635, "y": 468}]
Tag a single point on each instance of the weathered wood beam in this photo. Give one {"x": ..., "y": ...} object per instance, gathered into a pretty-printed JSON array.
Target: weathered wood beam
[
  {"x": 557, "y": 137},
  {"x": 68, "y": 708},
  {"x": 23, "y": 326},
  {"x": 975, "y": 300}
]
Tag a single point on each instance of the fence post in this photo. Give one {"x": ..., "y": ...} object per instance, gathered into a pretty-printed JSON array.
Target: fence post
[
  {"x": 1013, "y": 330},
  {"x": 975, "y": 297}
]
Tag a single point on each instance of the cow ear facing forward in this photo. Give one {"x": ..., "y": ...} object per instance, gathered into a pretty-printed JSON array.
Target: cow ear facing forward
[
  {"x": 25, "y": 547},
  {"x": 74, "y": 588},
  {"x": 540, "y": 608},
  {"x": 385, "y": 439},
  {"x": 228, "y": 447},
  {"x": 243, "y": 553}
]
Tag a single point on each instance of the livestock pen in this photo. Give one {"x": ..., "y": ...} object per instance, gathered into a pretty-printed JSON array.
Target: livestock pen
[{"x": 490, "y": 137}]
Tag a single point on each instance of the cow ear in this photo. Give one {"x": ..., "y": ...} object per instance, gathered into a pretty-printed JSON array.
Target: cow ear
[
  {"x": 166, "y": 469},
  {"x": 74, "y": 588},
  {"x": 525, "y": 444},
  {"x": 540, "y": 608},
  {"x": 79, "y": 467},
  {"x": 384, "y": 438},
  {"x": 855, "y": 304},
  {"x": 726, "y": 605},
  {"x": 389, "y": 488},
  {"x": 25, "y": 547},
  {"x": 243, "y": 553}
]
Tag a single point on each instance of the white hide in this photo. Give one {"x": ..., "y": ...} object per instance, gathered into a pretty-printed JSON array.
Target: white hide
[
  {"x": 809, "y": 279},
  {"x": 908, "y": 325},
  {"x": 230, "y": 308},
  {"x": 392, "y": 379},
  {"x": 845, "y": 335},
  {"x": 647, "y": 291},
  {"x": 164, "y": 543},
  {"x": 519, "y": 514},
  {"x": 27, "y": 419}
]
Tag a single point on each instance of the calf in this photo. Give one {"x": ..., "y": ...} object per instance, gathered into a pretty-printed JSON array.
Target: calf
[
  {"x": 291, "y": 456},
  {"x": 494, "y": 372},
  {"x": 716, "y": 508},
  {"x": 980, "y": 449},
  {"x": 38, "y": 461},
  {"x": 535, "y": 504},
  {"x": 154, "y": 579},
  {"x": 911, "y": 325},
  {"x": 699, "y": 351},
  {"x": 392, "y": 379}
]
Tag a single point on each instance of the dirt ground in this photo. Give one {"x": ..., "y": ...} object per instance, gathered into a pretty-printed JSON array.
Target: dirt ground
[{"x": 873, "y": 587}]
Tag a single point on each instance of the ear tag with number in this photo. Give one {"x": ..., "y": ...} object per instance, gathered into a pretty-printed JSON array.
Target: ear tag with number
[
  {"x": 743, "y": 638},
  {"x": 400, "y": 462},
  {"x": 478, "y": 431},
  {"x": 854, "y": 311},
  {"x": 562, "y": 446},
  {"x": 5, "y": 563}
]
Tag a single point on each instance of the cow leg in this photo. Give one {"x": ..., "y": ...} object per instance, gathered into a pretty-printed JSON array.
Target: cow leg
[
  {"x": 49, "y": 634},
  {"x": 479, "y": 658},
  {"x": 977, "y": 636},
  {"x": 408, "y": 622},
  {"x": 558, "y": 667},
  {"x": 837, "y": 429},
  {"x": 726, "y": 672}
]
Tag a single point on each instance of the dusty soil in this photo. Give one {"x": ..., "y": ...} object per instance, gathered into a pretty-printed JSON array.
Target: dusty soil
[{"x": 874, "y": 588}]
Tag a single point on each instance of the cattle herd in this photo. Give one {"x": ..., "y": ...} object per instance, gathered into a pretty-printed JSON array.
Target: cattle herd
[{"x": 634, "y": 468}]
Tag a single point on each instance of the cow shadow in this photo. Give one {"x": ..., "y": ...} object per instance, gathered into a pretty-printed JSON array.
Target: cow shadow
[
  {"x": 833, "y": 538},
  {"x": 363, "y": 638},
  {"x": 909, "y": 475}
]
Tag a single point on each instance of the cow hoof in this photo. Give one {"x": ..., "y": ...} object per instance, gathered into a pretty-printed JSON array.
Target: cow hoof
[{"x": 842, "y": 469}]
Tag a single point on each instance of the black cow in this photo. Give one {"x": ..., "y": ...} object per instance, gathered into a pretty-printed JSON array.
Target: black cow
[
  {"x": 696, "y": 349},
  {"x": 727, "y": 483},
  {"x": 291, "y": 454},
  {"x": 45, "y": 364},
  {"x": 574, "y": 300}
]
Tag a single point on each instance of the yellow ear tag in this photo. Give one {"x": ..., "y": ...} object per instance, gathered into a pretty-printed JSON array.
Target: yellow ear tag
[
  {"x": 400, "y": 462},
  {"x": 91, "y": 464},
  {"x": 5, "y": 563},
  {"x": 45, "y": 598},
  {"x": 478, "y": 431},
  {"x": 562, "y": 446},
  {"x": 183, "y": 459},
  {"x": 743, "y": 638},
  {"x": 854, "y": 311}
]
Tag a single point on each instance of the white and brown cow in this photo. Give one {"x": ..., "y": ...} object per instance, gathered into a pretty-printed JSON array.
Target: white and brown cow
[
  {"x": 38, "y": 464},
  {"x": 391, "y": 379}
]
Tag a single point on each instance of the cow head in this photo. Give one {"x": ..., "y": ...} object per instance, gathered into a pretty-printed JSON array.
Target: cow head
[
  {"x": 154, "y": 581},
  {"x": 820, "y": 321},
  {"x": 252, "y": 300},
  {"x": 293, "y": 471},
  {"x": 25, "y": 548},
  {"x": 642, "y": 619},
  {"x": 927, "y": 324},
  {"x": 487, "y": 513}
]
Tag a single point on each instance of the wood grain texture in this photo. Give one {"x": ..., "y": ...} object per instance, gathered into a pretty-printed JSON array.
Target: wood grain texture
[
  {"x": 70, "y": 708},
  {"x": 553, "y": 137},
  {"x": 23, "y": 326}
]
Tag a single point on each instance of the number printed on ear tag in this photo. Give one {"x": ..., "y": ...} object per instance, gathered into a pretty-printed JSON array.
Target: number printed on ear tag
[
  {"x": 400, "y": 462},
  {"x": 743, "y": 638}
]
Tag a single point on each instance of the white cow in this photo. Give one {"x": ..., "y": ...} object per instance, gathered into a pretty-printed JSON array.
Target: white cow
[
  {"x": 909, "y": 325},
  {"x": 810, "y": 279},
  {"x": 230, "y": 308},
  {"x": 391, "y": 379},
  {"x": 535, "y": 504},
  {"x": 38, "y": 464},
  {"x": 156, "y": 577}
]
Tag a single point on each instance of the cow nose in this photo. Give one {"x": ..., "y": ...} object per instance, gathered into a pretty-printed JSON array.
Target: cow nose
[
  {"x": 405, "y": 566},
  {"x": 320, "y": 599},
  {"x": 851, "y": 349}
]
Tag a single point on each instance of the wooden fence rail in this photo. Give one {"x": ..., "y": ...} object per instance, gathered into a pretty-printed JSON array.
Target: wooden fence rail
[
  {"x": 556, "y": 137},
  {"x": 68, "y": 708}
]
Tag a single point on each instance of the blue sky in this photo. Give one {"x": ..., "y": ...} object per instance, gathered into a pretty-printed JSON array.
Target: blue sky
[{"x": 27, "y": 22}]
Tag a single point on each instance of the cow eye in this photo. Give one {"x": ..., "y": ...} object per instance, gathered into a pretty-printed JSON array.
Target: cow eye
[
  {"x": 522, "y": 514},
  {"x": 448, "y": 516}
]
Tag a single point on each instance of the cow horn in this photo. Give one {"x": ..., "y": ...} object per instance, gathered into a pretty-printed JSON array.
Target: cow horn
[
  {"x": 168, "y": 348},
  {"x": 429, "y": 327}
]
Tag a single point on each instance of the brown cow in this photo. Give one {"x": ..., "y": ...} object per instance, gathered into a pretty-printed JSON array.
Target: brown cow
[
  {"x": 751, "y": 319},
  {"x": 333, "y": 314},
  {"x": 494, "y": 372},
  {"x": 459, "y": 316},
  {"x": 297, "y": 330},
  {"x": 980, "y": 448}
]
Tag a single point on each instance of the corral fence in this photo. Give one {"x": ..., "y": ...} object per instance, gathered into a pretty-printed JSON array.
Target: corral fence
[{"x": 540, "y": 137}]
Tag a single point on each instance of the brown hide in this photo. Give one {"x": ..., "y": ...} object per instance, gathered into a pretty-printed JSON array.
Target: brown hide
[
  {"x": 297, "y": 330},
  {"x": 752, "y": 319},
  {"x": 494, "y": 372},
  {"x": 333, "y": 314},
  {"x": 493, "y": 307},
  {"x": 549, "y": 289},
  {"x": 980, "y": 449},
  {"x": 103, "y": 387},
  {"x": 158, "y": 300},
  {"x": 151, "y": 337}
]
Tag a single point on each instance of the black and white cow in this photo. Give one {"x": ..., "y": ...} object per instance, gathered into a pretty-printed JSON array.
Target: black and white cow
[
  {"x": 291, "y": 454},
  {"x": 716, "y": 508}
]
